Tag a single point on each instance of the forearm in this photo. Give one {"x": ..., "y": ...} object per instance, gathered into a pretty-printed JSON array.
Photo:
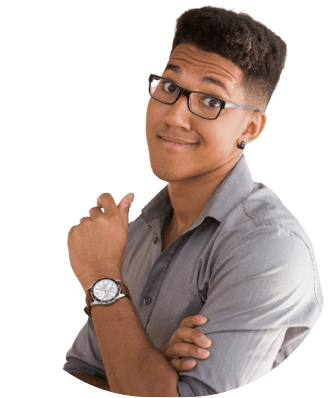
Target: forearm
[
  {"x": 132, "y": 364},
  {"x": 94, "y": 381}
]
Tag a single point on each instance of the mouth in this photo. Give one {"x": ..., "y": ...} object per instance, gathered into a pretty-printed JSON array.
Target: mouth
[{"x": 175, "y": 144}]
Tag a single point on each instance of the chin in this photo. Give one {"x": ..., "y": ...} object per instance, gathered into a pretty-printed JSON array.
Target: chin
[{"x": 167, "y": 174}]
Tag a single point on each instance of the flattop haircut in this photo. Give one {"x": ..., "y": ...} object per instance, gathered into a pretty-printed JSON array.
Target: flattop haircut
[{"x": 249, "y": 44}]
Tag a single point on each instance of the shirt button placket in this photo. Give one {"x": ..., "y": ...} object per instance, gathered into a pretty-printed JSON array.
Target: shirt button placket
[{"x": 147, "y": 300}]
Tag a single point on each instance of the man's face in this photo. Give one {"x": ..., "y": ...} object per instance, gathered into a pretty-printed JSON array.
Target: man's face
[{"x": 215, "y": 141}]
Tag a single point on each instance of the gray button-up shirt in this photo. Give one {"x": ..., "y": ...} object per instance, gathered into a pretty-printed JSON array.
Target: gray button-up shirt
[{"x": 245, "y": 263}]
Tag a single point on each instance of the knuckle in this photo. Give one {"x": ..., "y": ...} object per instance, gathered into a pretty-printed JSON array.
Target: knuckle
[
  {"x": 100, "y": 218},
  {"x": 115, "y": 218}
]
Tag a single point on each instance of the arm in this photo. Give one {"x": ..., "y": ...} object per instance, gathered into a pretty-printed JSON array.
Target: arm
[
  {"x": 94, "y": 381},
  {"x": 133, "y": 365},
  {"x": 260, "y": 305},
  {"x": 85, "y": 363}
]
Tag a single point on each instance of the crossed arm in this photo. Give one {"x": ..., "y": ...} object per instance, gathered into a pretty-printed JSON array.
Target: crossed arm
[
  {"x": 185, "y": 342},
  {"x": 132, "y": 364}
]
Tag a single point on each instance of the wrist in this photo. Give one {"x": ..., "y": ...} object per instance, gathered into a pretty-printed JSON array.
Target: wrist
[{"x": 89, "y": 281}]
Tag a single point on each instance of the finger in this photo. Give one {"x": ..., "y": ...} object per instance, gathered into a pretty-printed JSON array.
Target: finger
[
  {"x": 107, "y": 202},
  {"x": 182, "y": 364},
  {"x": 95, "y": 212},
  {"x": 84, "y": 219},
  {"x": 179, "y": 350},
  {"x": 126, "y": 201},
  {"x": 191, "y": 335},
  {"x": 194, "y": 320},
  {"x": 124, "y": 207}
]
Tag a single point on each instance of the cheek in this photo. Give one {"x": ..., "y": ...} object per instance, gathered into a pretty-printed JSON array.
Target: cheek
[
  {"x": 149, "y": 114},
  {"x": 153, "y": 115},
  {"x": 219, "y": 142}
]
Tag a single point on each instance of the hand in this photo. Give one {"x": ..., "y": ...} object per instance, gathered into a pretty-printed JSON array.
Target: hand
[
  {"x": 97, "y": 245},
  {"x": 185, "y": 342}
]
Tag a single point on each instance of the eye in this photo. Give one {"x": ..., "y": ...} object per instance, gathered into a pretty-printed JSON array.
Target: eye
[
  {"x": 211, "y": 102},
  {"x": 170, "y": 87}
]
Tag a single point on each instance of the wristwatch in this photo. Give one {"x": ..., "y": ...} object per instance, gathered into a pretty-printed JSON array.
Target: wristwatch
[{"x": 105, "y": 291}]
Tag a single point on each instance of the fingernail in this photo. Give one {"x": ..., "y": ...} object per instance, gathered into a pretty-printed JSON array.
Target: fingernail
[
  {"x": 201, "y": 318},
  {"x": 205, "y": 341},
  {"x": 130, "y": 199},
  {"x": 203, "y": 353},
  {"x": 191, "y": 362}
]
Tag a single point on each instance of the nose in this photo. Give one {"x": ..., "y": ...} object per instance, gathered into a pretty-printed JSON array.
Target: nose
[{"x": 178, "y": 114}]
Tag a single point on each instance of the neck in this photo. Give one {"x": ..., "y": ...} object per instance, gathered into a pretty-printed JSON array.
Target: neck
[{"x": 188, "y": 197}]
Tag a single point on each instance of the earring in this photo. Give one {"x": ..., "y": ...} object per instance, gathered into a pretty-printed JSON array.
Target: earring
[{"x": 242, "y": 145}]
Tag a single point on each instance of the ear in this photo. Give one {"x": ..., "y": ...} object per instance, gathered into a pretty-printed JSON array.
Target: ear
[{"x": 253, "y": 126}]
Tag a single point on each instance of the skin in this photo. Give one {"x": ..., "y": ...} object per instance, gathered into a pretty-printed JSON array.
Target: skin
[{"x": 195, "y": 173}]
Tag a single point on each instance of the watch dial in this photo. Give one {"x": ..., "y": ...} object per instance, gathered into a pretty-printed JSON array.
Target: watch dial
[{"x": 105, "y": 290}]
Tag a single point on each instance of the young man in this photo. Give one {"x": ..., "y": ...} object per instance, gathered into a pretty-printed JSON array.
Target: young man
[{"x": 212, "y": 242}]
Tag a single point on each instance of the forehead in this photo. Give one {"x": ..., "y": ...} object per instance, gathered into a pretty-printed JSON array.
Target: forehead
[{"x": 195, "y": 63}]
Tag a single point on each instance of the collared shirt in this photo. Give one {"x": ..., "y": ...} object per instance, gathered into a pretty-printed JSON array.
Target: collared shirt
[{"x": 245, "y": 263}]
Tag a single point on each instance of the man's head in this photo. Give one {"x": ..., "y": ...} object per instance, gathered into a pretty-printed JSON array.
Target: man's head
[
  {"x": 258, "y": 52},
  {"x": 226, "y": 55}
]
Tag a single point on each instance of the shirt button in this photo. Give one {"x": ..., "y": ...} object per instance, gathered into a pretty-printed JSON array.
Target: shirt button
[
  {"x": 147, "y": 300},
  {"x": 155, "y": 240}
]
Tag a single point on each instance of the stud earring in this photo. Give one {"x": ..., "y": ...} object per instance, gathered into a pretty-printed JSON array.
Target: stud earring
[{"x": 242, "y": 145}]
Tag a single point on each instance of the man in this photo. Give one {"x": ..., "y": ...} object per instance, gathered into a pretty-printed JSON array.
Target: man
[{"x": 212, "y": 242}]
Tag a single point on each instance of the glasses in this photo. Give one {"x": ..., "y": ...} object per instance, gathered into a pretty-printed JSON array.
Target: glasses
[{"x": 200, "y": 104}]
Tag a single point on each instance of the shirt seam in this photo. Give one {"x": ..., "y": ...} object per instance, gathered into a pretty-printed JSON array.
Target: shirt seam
[{"x": 250, "y": 215}]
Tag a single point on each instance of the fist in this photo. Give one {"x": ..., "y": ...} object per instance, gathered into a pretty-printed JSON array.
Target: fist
[{"x": 97, "y": 245}]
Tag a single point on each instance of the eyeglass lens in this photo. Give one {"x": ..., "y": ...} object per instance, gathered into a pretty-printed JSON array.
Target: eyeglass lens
[{"x": 200, "y": 104}]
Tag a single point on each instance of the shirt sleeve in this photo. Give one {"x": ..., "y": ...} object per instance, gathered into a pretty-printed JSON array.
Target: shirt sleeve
[
  {"x": 261, "y": 303},
  {"x": 84, "y": 356}
]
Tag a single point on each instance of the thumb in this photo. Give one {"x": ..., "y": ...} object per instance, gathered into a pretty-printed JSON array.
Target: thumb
[
  {"x": 129, "y": 199},
  {"x": 126, "y": 202},
  {"x": 124, "y": 206}
]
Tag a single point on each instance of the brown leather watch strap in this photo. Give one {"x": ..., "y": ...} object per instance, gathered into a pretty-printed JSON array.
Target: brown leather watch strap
[{"x": 87, "y": 309}]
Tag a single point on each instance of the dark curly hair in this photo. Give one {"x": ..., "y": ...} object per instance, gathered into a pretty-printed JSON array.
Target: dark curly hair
[{"x": 249, "y": 44}]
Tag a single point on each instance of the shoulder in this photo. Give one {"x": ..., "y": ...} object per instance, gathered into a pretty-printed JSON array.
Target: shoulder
[
  {"x": 265, "y": 208},
  {"x": 261, "y": 241},
  {"x": 264, "y": 234},
  {"x": 262, "y": 219}
]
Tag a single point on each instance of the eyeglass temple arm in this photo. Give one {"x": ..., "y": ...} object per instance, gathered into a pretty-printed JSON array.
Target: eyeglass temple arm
[{"x": 236, "y": 106}]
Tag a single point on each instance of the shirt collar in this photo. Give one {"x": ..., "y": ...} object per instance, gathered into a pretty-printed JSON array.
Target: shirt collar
[{"x": 235, "y": 187}]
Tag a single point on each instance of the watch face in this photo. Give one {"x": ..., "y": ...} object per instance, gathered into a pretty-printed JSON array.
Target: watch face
[{"x": 105, "y": 290}]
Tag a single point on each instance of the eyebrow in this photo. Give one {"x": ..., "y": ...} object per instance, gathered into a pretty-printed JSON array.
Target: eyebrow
[{"x": 206, "y": 79}]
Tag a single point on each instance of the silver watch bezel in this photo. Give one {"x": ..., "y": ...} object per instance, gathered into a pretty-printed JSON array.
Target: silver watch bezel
[{"x": 96, "y": 300}]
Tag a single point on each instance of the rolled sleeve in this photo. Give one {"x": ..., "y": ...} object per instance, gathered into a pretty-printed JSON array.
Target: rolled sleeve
[{"x": 261, "y": 304}]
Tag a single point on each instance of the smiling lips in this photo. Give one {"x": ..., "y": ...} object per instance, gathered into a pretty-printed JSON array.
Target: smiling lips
[{"x": 174, "y": 143}]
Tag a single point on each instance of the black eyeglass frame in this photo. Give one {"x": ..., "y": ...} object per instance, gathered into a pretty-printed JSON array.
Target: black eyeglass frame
[{"x": 184, "y": 91}]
